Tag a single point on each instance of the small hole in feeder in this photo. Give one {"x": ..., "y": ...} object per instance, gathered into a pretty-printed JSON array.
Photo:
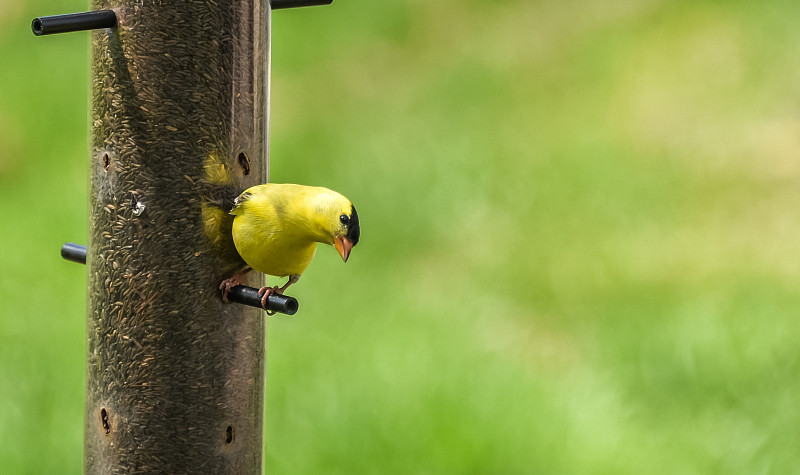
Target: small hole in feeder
[
  {"x": 229, "y": 435},
  {"x": 106, "y": 161},
  {"x": 104, "y": 421},
  {"x": 244, "y": 162}
]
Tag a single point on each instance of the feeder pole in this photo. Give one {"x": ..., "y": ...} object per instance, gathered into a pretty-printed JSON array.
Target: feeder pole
[{"x": 179, "y": 118}]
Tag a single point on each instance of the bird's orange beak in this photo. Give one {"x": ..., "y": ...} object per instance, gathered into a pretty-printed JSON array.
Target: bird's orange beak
[{"x": 343, "y": 245}]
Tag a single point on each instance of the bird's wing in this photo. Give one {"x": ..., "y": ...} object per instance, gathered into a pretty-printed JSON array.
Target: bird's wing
[{"x": 238, "y": 203}]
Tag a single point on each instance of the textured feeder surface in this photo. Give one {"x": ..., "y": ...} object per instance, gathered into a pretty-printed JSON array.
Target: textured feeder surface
[{"x": 175, "y": 378}]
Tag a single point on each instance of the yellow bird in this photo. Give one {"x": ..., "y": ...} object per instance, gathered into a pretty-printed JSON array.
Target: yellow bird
[{"x": 276, "y": 228}]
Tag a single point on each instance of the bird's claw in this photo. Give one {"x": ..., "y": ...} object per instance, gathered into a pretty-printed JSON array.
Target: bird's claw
[
  {"x": 227, "y": 285},
  {"x": 264, "y": 293}
]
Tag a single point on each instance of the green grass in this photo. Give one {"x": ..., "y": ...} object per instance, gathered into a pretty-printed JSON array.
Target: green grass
[{"x": 578, "y": 250}]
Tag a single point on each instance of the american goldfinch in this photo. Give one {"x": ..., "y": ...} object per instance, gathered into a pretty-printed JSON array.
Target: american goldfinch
[{"x": 276, "y": 228}]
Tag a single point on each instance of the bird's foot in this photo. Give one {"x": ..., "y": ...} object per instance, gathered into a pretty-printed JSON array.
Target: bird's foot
[
  {"x": 264, "y": 293},
  {"x": 228, "y": 284},
  {"x": 292, "y": 279}
]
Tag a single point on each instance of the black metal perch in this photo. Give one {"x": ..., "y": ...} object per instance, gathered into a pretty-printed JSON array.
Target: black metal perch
[
  {"x": 275, "y": 302},
  {"x": 240, "y": 294},
  {"x": 74, "y": 252},
  {"x": 48, "y": 25},
  {"x": 279, "y": 4}
]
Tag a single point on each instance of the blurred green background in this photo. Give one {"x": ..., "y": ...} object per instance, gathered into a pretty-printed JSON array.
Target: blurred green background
[{"x": 579, "y": 249}]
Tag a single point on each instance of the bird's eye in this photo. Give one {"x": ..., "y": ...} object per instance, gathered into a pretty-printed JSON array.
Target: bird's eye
[{"x": 344, "y": 219}]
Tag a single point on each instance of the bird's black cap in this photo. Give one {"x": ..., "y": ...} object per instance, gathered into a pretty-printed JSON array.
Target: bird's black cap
[{"x": 353, "y": 228}]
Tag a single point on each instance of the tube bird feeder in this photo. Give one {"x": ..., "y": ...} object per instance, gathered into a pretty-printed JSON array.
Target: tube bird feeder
[
  {"x": 179, "y": 117},
  {"x": 175, "y": 378}
]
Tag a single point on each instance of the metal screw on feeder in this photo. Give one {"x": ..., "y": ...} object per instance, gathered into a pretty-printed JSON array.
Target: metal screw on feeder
[
  {"x": 48, "y": 25},
  {"x": 240, "y": 294}
]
